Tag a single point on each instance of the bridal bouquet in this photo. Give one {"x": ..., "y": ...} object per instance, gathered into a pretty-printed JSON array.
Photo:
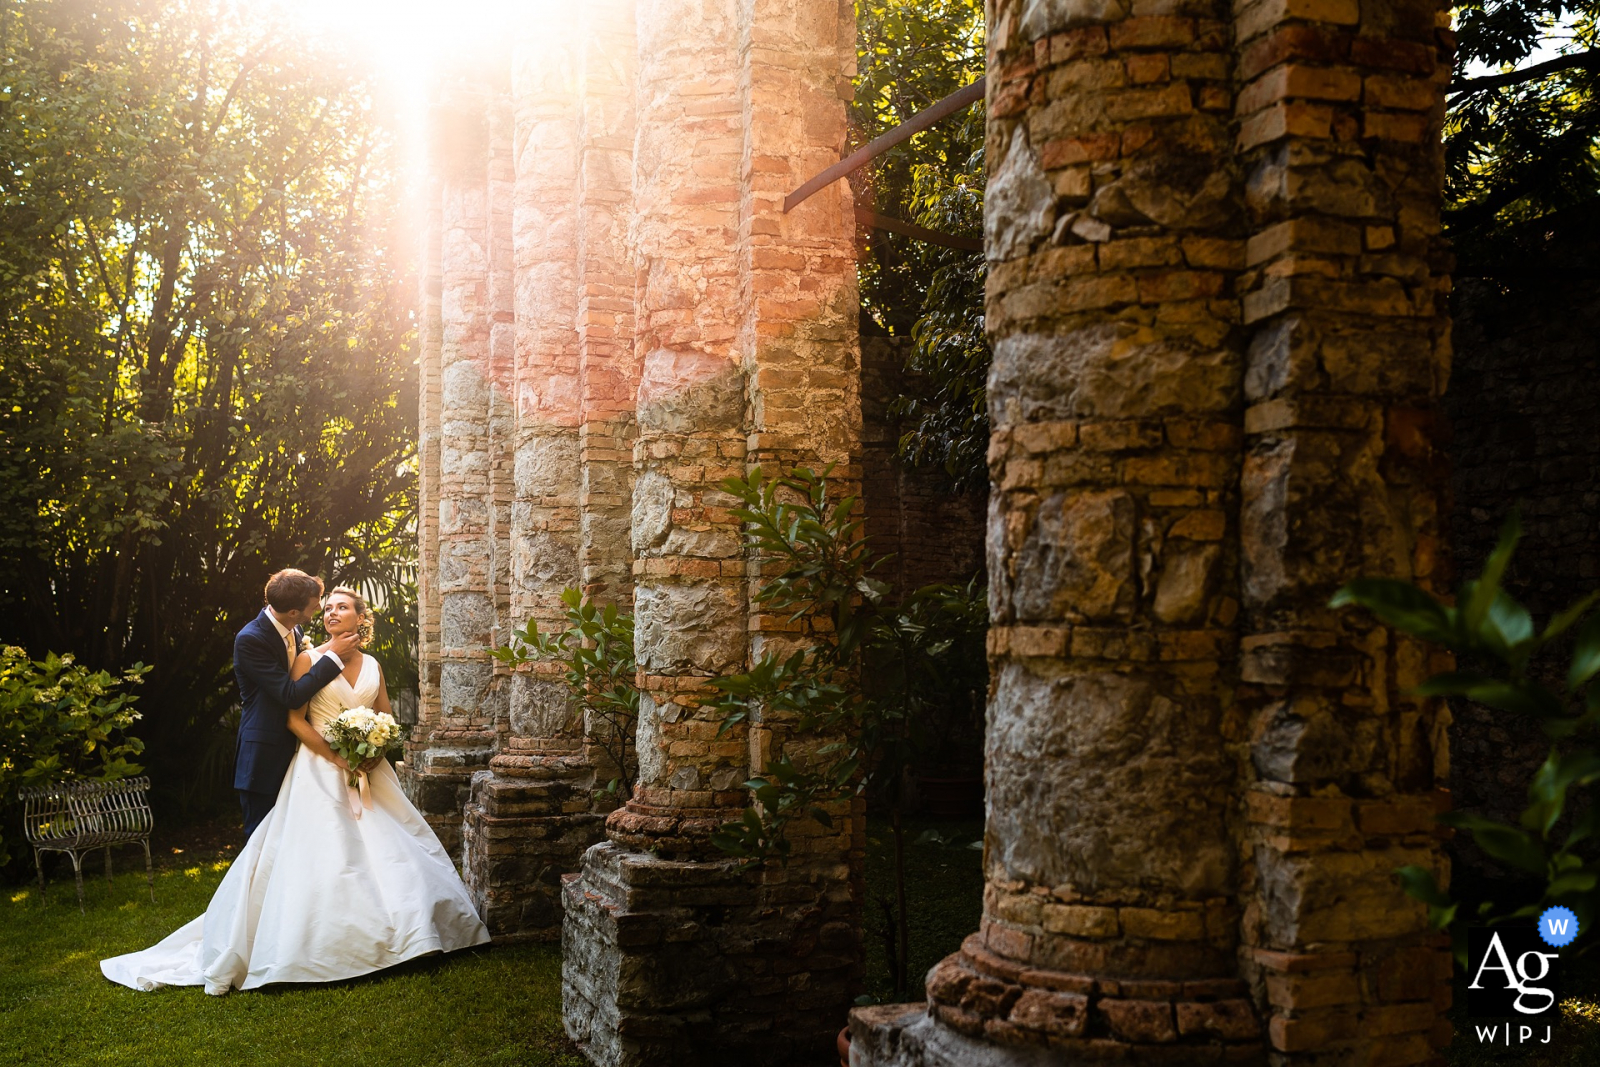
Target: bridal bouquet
[{"x": 359, "y": 734}]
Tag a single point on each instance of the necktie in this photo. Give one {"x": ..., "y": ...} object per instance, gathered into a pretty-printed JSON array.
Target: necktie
[{"x": 288, "y": 646}]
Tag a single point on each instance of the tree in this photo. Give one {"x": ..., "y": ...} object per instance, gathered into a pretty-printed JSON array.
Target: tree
[
  {"x": 910, "y": 55},
  {"x": 205, "y": 368},
  {"x": 1521, "y": 143}
]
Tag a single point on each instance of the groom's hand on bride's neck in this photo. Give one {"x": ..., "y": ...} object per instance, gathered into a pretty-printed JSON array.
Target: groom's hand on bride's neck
[{"x": 344, "y": 644}]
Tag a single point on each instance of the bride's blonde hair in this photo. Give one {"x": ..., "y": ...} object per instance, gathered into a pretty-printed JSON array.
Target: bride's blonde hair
[{"x": 363, "y": 612}]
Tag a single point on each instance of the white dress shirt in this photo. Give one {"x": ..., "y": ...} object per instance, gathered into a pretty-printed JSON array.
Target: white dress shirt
[{"x": 285, "y": 631}]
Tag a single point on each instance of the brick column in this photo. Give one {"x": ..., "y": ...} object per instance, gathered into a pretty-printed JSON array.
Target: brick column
[
  {"x": 430, "y": 339},
  {"x": 1340, "y": 110},
  {"x": 608, "y": 361},
  {"x": 1218, "y": 325},
  {"x": 530, "y": 816},
  {"x": 458, "y": 732},
  {"x": 1114, "y": 234},
  {"x": 745, "y": 333},
  {"x": 607, "y": 358},
  {"x": 689, "y": 566}
]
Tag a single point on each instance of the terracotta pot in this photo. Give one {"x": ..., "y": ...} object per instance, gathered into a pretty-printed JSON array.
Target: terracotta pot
[
  {"x": 843, "y": 1042},
  {"x": 951, "y": 798}
]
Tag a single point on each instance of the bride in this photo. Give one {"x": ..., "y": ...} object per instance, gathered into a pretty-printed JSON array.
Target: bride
[{"x": 331, "y": 885}]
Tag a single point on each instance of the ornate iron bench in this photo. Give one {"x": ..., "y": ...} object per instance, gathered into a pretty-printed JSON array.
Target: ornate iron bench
[{"x": 79, "y": 817}]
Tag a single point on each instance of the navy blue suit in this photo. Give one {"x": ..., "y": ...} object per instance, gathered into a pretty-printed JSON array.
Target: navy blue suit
[{"x": 260, "y": 663}]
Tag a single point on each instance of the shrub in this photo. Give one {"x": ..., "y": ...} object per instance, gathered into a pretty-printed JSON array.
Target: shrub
[
  {"x": 872, "y": 674},
  {"x": 60, "y": 721},
  {"x": 1496, "y": 638},
  {"x": 596, "y": 649}
]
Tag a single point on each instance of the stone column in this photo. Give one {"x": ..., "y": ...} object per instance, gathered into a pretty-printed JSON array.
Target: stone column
[
  {"x": 430, "y": 338},
  {"x": 529, "y": 816},
  {"x": 1114, "y": 236},
  {"x": 689, "y": 570},
  {"x": 801, "y": 350},
  {"x": 458, "y": 733},
  {"x": 1218, "y": 330},
  {"x": 745, "y": 332},
  {"x": 1340, "y": 113},
  {"x": 608, "y": 361}
]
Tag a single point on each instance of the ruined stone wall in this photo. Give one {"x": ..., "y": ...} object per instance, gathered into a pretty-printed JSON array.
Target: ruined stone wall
[
  {"x": 1216, "y": 297},
  {"x": 934, "y": 532},
  {"x": 1523, "y": 402}
]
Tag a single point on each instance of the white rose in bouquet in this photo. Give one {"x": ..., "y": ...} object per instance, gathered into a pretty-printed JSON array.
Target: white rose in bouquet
[{"x": 358, "y": 734}]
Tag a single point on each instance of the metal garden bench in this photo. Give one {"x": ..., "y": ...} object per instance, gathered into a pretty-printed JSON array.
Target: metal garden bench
[{"x": 79, "y": 817}]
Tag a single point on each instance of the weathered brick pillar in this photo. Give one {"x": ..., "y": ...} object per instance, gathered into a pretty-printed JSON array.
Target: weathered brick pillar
[
  {"x": 1340, "y": 111},
  {"x": 1114, "y": 234},
  {"x": 456, "y": 733},
  {"x": 608, "y": 360},
  {"x": 744, "y": 326},
  {"x": 531, "y": 814},
  {"x": 430, "y": 339},
  {"x": 689, "y": 566},
  {"x": 1218, "y": 329}
]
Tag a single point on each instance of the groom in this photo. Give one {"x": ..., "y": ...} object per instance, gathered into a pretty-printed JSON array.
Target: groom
[{"x": 263, "y": 652}]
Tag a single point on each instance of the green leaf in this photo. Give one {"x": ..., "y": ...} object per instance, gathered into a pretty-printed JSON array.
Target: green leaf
[
  {"x": 1419, "y": 884},
  {"x": 1452, "y": 683},
  {"x": 1400, "y": 605},
  {"x": 1562, "y": 621},
  {"x": 1525, "y": 698},
  {"x": 1548, "y": 790},
  {"x": 1482, "y": 593},
  {"x": 1504, "y": 843},
  {"x": 1511, "y": 624},
  {"x": 1569, "y": 884},
  {"x": 1585, "y": 654}
]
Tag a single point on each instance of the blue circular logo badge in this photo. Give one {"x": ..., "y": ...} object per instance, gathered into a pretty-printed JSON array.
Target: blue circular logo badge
[{"x": 1558, "y": 926}]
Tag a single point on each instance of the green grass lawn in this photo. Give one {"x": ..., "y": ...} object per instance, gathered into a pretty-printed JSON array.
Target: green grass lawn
[
  {"x": 484, "y": 1006},
  {"x": 944, "y": 896}
]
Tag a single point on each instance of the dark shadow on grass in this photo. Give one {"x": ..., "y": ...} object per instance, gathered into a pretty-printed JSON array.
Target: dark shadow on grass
[{"x": 427, "y": 963}]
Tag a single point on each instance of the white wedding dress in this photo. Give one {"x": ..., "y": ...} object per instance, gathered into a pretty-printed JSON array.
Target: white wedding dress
[{"x": 317, "y": 895}]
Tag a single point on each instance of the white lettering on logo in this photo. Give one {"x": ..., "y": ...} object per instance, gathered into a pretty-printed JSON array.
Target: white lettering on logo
[{"x": 1519, "y": 978}]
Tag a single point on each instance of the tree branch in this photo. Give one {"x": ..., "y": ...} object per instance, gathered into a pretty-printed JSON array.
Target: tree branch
[{"x": 1527, "y": 74}]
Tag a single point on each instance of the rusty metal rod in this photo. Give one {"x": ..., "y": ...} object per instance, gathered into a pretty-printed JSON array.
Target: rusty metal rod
[
  {"x": 910, "y": 229},
  {"x": 879, "y": 145}
]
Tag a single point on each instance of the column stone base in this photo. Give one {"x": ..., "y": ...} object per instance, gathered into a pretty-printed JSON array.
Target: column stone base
[
  {"x": 676, "y": 963},
  {"x": 988, "y": 1011},
  {"x": 905, "y": 1035},
  {"x": 528, "y": 820},
  {"x": 436, "y": 776}
]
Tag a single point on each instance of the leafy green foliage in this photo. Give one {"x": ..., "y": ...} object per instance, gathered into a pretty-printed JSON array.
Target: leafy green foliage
[
  {"x": 819, "y": 571},
  {"x": 911, "y": 55},
  {"x": 1522, "y": 153},
  {"x": 1485, "y": 625},
  {"x": 62, "y": 722},
  {"x": 205, "y": 371},
  {"x": 596, "y": 649},
  {"x": 869, "y": 671}
]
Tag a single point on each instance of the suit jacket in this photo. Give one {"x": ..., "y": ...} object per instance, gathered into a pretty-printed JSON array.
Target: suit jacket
[{"x": 266, "y": 693}]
